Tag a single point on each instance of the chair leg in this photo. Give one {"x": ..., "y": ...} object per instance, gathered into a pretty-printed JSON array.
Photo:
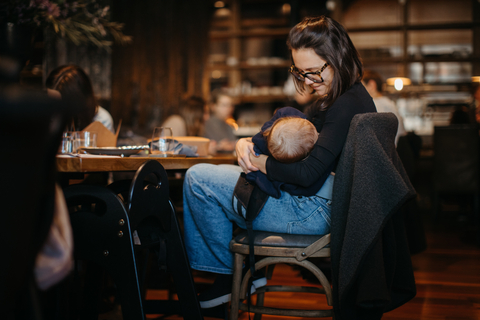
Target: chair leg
[
  {"x": 436, "y": 206},
  {"x": 260, "y": 302},
  {"x": 476, "y": 216},
  {"x": 237, "y": 279},
  {"x": 177, "y": 262}
]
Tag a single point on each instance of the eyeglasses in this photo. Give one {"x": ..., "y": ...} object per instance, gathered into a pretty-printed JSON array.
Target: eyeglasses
[{"x": 312, "y": 76}]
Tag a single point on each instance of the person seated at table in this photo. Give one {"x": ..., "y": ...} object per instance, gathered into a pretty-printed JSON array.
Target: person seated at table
[
  {"x": 76, "y": 90},
  {"x": 190, "y": 121},
  {"x": 373, "y": 82},
  {"x": 288, "y": 137},
  {"x": 216, "y": 127}
]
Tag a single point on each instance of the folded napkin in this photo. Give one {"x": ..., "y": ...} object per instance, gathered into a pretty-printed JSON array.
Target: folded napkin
[{"x": 180, "y": 148}]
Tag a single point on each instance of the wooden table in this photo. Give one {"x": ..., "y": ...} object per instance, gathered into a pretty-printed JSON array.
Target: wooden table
[{"x": 113, "y": 164}]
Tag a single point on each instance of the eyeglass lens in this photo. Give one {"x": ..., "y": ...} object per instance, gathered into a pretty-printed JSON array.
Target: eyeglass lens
[{"x": 312, "y": 76}]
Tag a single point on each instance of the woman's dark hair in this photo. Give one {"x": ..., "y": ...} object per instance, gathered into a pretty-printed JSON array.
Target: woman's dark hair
[
  {"x": 192, "y": 111},
  {"x": 76, "y": 89},
  {"x": 331, "y": 42}
]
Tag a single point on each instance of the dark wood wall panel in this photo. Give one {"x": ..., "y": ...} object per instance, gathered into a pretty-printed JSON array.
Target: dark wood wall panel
[
  {"x": 95, "y": 61},
  {"x": 164, "y": 64}
]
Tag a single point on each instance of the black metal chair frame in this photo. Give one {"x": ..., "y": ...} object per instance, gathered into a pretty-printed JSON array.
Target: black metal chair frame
[{"x": 153, "y": 216}]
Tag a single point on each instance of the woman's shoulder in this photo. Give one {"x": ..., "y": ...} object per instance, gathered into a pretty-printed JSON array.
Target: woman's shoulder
[{"x": 356, "y": 99}]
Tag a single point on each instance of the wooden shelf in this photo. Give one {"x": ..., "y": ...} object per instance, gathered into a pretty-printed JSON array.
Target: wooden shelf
[
  {"x": 263, "y": 98},
  {"x": 246, "y": 66},
  {"x": 413, "y": 60},
  {"x": 222, "y": 35},
  {"x": 413, "y": 27}
]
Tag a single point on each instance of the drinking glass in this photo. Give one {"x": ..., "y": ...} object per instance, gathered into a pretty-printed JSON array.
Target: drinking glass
[
  {"x": 84, "y": 139},
  {"x": 161, "y": 142},
  {"x": 66, "y": 145}
]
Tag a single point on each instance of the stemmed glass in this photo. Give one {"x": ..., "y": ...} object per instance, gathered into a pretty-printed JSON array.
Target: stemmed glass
[{"x": 161, "y": 142}]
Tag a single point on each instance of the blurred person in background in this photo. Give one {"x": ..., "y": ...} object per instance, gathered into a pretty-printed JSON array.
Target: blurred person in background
[
  {"x": 217, "y": 128},
  {"x": 76, "y": 89},
  {"x": 373, "y": 82},
  {"x": 190, "y": 121}
]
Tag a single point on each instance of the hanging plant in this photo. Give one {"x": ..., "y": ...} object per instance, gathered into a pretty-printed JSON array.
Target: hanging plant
[{"x": 83, "y": 22}]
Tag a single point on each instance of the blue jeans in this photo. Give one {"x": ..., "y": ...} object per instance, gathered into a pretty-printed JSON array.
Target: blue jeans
[{"x": 209, "y": 213}]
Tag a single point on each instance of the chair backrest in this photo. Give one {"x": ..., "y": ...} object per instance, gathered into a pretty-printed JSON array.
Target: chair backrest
[
  {"x": 31, "y": 125},
  {"x": 456, "y": 158},
  {"x": 149, "y": 198},
  {"x": 370, "y": 186}
]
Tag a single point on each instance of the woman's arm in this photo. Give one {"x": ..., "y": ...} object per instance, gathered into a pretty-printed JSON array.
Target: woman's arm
[
  {"x": 329, "y": 145},
  {"x": 303, "y": 173},
  {"x": 244, "y": 148},
  {"x": 259, "y": 162}
]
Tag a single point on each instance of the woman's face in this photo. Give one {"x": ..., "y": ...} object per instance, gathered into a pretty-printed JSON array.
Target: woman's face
[{"x": 306, "y": 60}]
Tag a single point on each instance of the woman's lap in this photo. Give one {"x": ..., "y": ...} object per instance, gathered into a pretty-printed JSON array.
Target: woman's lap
[{"x": 209, "y": 212}]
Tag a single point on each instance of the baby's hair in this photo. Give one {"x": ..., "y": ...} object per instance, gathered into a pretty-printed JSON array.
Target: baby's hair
[{"x": 291, "y": 139}]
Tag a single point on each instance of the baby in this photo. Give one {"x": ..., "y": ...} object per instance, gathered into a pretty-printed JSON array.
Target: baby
[{"x": 288, "y": 137}]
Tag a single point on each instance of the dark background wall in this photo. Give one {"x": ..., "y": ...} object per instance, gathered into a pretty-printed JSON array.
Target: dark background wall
[{"x": 165, "y": 62}]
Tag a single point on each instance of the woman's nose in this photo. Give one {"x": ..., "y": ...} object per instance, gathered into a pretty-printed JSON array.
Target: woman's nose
[{"x": 308, "y": 81}]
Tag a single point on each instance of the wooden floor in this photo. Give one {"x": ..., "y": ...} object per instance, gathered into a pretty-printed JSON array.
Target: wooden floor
[{"x": 447, "y": 276}]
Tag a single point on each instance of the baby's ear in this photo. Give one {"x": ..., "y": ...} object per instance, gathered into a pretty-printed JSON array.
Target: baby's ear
[{"x": 267, "y": 131}]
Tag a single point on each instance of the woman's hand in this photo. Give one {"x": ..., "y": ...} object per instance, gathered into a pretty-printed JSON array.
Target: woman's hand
[
  {"x": 259, "y": 161},
  {"x": 244, "y": 148}
]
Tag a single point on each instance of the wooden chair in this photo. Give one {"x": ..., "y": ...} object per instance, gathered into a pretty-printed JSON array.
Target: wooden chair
[
  {"x": 279, "y": 248},
  {"x": 369, "y": 168}
]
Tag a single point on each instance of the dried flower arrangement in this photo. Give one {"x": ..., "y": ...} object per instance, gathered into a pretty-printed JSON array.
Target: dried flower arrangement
[{"x": 80, "y": 21}]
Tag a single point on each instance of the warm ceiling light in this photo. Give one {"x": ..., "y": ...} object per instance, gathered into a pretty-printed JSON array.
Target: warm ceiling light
[
  {"x": 476, "y": 79},
  {"x": 219, "y": 4},
  {"x": 398, "y": 82},
  {"x": 286, "y": 8}
]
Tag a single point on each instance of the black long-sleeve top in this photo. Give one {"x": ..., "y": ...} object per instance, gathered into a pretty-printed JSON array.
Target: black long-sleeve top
[{"x": 332, "y": 136}]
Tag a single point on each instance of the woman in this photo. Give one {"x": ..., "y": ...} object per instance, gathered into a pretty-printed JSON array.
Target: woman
[
  {"x": 325, "y": 62},
  {"x": 76, "y": 90},
  {"x": 191, "y": 119}
]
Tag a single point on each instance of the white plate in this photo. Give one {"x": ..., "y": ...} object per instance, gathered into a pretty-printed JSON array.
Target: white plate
[{"x": 114, "y": 151}]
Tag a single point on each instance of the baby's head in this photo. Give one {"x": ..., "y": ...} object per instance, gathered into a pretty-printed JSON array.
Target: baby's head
[{"x": 291, "y": 139}]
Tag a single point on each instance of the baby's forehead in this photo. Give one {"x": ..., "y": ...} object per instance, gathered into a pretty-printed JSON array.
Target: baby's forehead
[{"x": 288, "y": 121}]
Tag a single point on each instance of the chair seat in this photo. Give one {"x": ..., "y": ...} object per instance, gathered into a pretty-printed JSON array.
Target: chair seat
[
  {"x": 273, "y": 239},
  {"x": 282, "y": 245}
]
